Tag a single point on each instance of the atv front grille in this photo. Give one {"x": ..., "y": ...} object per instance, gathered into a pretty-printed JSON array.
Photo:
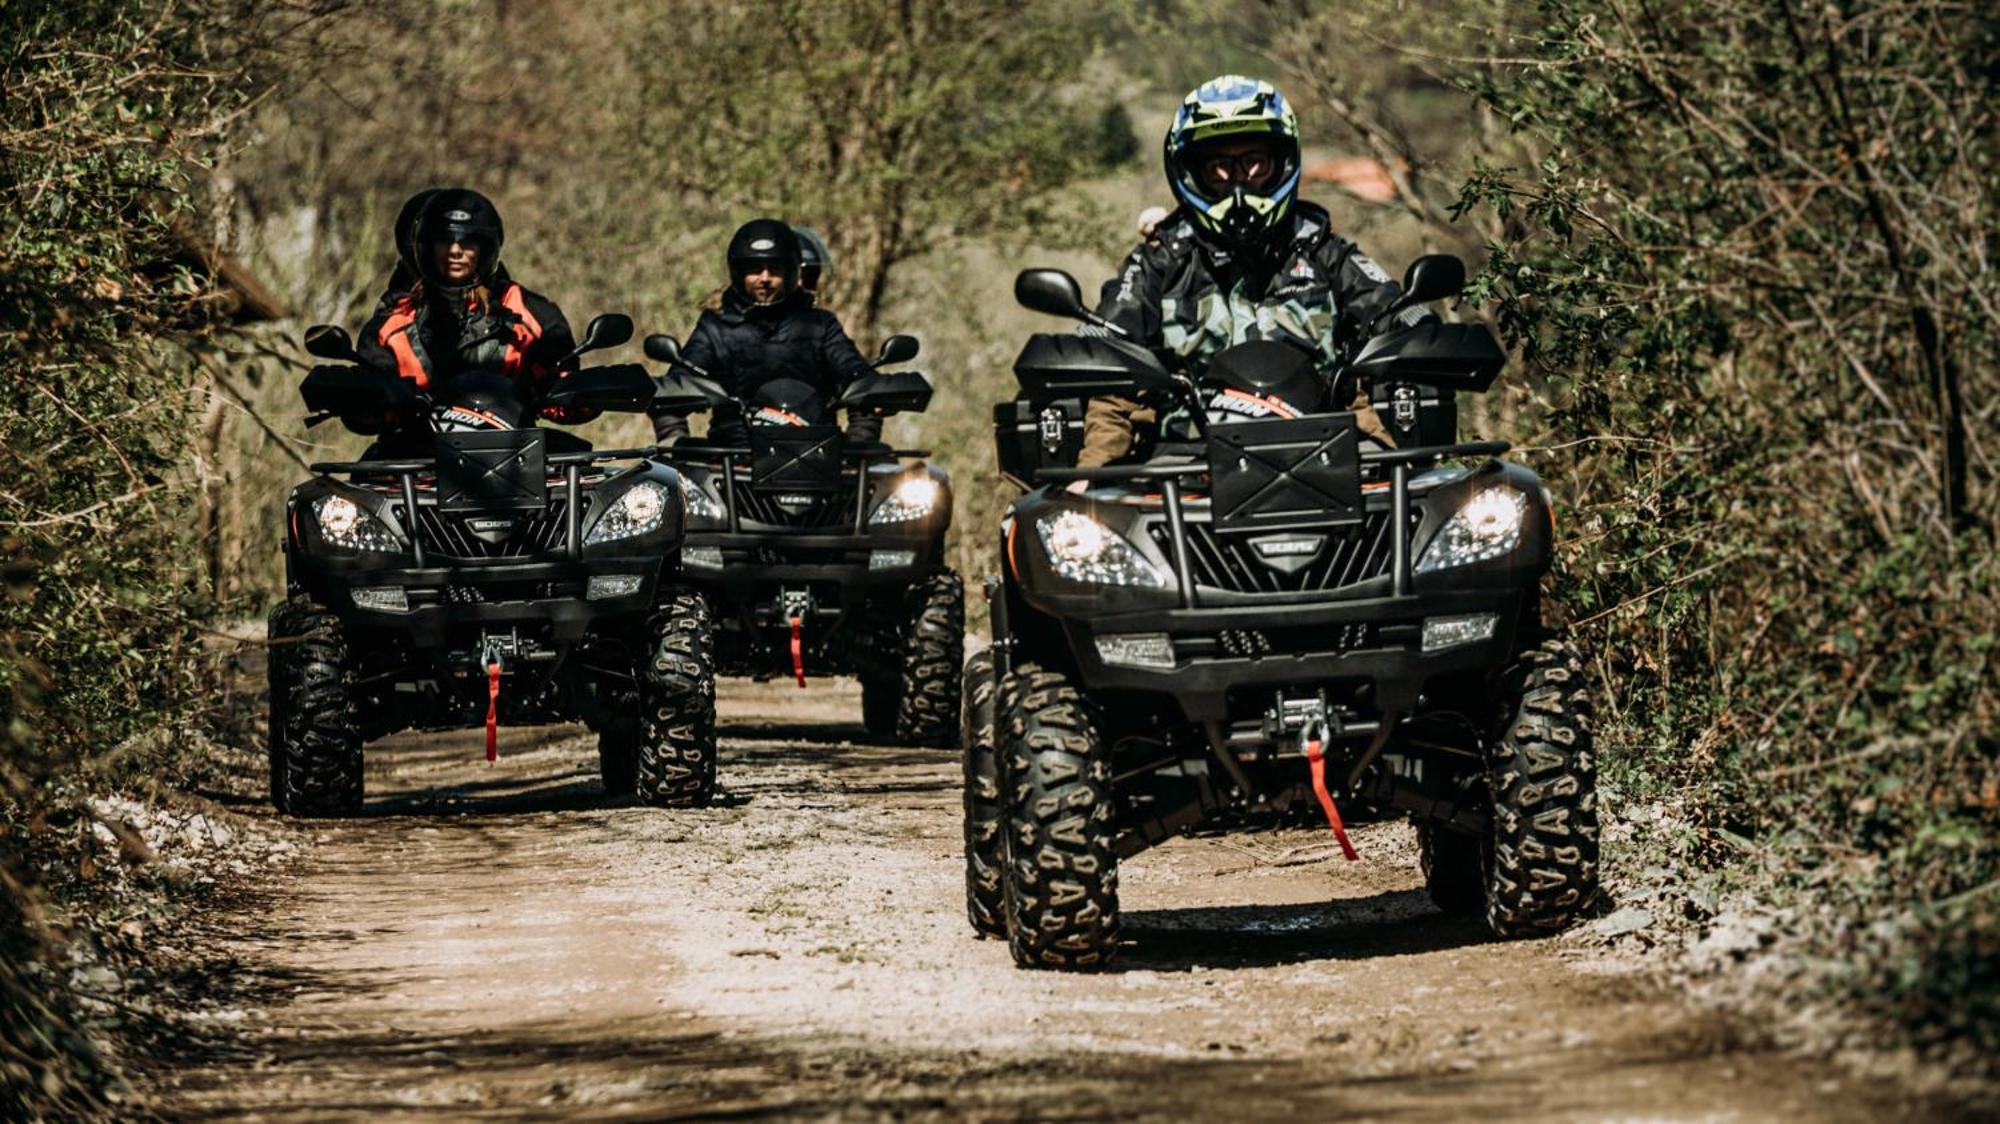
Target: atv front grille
[
  {"x": 490, "y": 593},
  {"x": 791, "y": 554},
  {"x": 1256, "y": 643},
  {"x": 533, "y": 532},
  {"x": 1348, "y": 555},
  {"x": 1275, "y": 643},
  {"x": 824, "y": 509}
]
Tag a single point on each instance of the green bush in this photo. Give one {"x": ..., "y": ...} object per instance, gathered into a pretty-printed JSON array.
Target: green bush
[
  {"x": 1739, "y": 249},
  {"x": 109, "y": 108}
]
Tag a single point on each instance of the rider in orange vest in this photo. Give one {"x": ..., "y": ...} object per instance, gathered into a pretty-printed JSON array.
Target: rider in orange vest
[{"x": 461, "y": 312}]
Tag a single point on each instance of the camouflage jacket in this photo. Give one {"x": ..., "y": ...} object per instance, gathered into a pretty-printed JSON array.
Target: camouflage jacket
[{"x": 1178, "y": 293}]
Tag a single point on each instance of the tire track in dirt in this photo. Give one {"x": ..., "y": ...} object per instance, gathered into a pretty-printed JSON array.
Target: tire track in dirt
[{"x": 496, "y": 942}]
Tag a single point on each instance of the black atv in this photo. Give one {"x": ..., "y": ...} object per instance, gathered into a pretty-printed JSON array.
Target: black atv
[
  {"x": 1268, "y": 611},
  {"x": 475, "y": 568},
  {"x": 822, "y": 555}
]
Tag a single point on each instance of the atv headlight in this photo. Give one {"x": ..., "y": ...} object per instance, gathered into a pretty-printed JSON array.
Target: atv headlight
[
  {"x": 1084, "y": 550},
  {"x": 636, "y": 512},
  {"x": 913, "y": 499},
  {"x": 701, "y": 505},
  {"x": 1487, "y": 526},
  {"x": 347, "y": 526}
]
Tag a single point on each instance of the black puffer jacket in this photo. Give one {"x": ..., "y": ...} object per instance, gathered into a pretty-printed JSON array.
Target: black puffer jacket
[{"x": 745, "y": 345}]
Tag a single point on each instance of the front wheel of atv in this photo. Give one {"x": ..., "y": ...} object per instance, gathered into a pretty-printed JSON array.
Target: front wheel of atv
[
  {"x": 985, "y": 906},
  {"x": 281, "y": 632},
  {"x": 676, "y": 742},
  {"x": 315, "y": 739},
  {"x": 1542, "y": 773},
  {"x": 1059, "y": 825},
  {"x": 933, "y": 648}
]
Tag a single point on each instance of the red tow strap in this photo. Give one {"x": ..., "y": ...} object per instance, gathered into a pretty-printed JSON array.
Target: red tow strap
[
  {"x": 798, "y": 650},
  {"x": 493, "y": 711},
  {"x": 1317, "y": 760}
]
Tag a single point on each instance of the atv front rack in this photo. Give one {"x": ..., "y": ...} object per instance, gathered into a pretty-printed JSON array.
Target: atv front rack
[
  {"x": 1398, "y": 461},
  {"x": 727, "y": 459},
  {"x": 406, "y": 470}
]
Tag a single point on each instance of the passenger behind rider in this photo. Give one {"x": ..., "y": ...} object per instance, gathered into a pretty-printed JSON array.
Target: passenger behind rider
[
  {"x": 766, "y": 326},
  {"x": 451, "y": 307},
  {"x": 1241, "y": 258}
]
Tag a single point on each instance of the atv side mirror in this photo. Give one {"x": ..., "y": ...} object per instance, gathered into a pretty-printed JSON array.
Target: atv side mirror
[
  {"x": 663, "y": 348},
  {"x": 1050, "y": 290},
  {"x": 897, "y": 349},
  {"x": 1057, "y": 293},
  {"x": 329, "y": 341},
  {"x": 607, "y": 329},
  {"x": 1429, "y": 278},
  {"x": 1433, "y": 277}
]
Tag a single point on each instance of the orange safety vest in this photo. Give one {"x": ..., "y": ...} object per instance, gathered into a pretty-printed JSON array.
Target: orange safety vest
[{"x": 395, "y": 335}]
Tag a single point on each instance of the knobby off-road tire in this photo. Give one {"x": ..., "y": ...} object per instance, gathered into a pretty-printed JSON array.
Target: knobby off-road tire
[
  {"x": 279, "y": 630},
  {"x": 1542, "y": 772},
  {"x": 985, "y": 904},
  {"x": 1059, "y": 826},
  {"x": 315, "y": 733},
  {"x": 933, "y": 650},
  {"x": 676, "y": 742}
]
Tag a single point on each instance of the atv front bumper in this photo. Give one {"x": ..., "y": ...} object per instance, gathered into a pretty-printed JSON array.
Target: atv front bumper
[
  {"x": 855, "y": 563},
  {"x": 1376, "y": 645},
  {"x": 442, "y": 600}
]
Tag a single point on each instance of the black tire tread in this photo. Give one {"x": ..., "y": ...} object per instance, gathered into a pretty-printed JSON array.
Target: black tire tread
[
  {"x": 933, "y": 652},
  {"x": 676, "y": 748},
  {"x": 1061, "y": 882},
  {"x": 316, "y": 754},
  {"x": 1542, "y": 773},
  {"x": 985, "y": 905}
]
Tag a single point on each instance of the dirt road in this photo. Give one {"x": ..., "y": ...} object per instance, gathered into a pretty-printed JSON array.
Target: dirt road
[{"x": 496, "y": 941}]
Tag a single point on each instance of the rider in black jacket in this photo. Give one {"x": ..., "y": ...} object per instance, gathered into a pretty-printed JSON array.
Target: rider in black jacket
[{"x": 768, "y": 328}]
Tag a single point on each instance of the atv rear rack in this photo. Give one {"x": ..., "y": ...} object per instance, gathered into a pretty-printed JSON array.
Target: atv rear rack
[
  {"x": 1398, "y": 461},
  {"x": 406, "y": 470}
]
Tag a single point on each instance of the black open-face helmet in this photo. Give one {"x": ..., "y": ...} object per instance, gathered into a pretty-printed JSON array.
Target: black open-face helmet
[
  {"x": 815, "y": 260},
  {"x": 764, "y": 242},
  {"x": 455, "y": 214}
]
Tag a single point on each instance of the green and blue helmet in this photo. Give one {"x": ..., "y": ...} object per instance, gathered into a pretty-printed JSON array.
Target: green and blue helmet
[{"x": 1232, "y": 108}]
